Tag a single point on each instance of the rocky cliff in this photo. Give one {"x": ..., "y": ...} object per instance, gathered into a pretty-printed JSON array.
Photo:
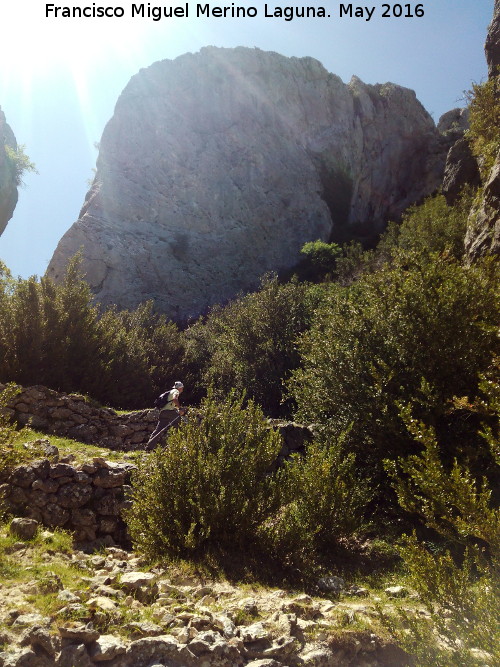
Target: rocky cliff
[
  {"x": 217, "y": 167},
  {"x": 492, "y": 45},
  {"x": 8, "y": 185},
  {"x": 483, "y": 232}
]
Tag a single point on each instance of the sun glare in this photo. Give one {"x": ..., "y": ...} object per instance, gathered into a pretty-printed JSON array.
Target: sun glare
[{"x": 34, "y": 46}]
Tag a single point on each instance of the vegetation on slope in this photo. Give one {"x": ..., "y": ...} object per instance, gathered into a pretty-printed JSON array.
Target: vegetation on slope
[{"x": 392, "y": 353}]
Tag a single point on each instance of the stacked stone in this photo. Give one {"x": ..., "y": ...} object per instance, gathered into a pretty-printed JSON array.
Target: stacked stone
[
  {"x": 86, "y": 499},
  {"x": 71, "y": 416}
]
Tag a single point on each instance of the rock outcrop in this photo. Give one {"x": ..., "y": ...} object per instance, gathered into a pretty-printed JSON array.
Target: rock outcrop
[
  {"x": 461, "y": 169},
  {"x": 217, "y": 167},
  {"x": 483, "y": 231},
  {"x": 483, "y": 228},
  {"x": 116, "y": 614},
  {"x": 492, "y": 45},
  {"x": 8, "y": 185}
]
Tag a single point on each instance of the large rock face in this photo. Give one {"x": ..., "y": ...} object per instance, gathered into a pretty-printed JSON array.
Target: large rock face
[
  {"x": 483, "y": 231},
  {"x": 8, "y": 185},
  {"x": 492, "y": 45},
  {"x": 217, "y": 167}
]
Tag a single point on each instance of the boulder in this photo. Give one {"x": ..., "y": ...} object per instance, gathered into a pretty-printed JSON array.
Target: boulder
[
  {"x": 25, "y": 529},
  {"x": 218, "y": 166},
  {"x": 106, "y": 648}
]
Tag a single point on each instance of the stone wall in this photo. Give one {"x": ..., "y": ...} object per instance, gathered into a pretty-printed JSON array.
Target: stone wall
[
  {"x": 88, "y": 499},
  {"x": 72, "y": 416},
  {"x": 85, "y": 499}
]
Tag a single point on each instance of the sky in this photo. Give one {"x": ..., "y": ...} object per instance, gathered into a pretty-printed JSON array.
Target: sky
[{"x": 60, "y": 78}]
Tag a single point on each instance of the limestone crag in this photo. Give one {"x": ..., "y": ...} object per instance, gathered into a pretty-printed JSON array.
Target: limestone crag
[
  {"x": 483, "y": 230},
  {"x": 8, "y": 186},
  {"x": 218, "y": 166},
  {"x": 492, "y": 45}
]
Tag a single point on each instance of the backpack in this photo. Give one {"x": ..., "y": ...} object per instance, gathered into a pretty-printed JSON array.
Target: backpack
[{"x": 162, "y": 400}]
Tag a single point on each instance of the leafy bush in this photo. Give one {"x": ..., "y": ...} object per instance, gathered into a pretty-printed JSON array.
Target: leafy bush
[
  {"x": 53, "y": 334},
  {"x": 19, "y": 163},
  {"x": 142, "y": 353},
  {"x": 415, "y": 333},
  {"x": 323, "y": 502},
  {"x": 321, "y": 259},
  {"x": 210, "y": 488},
  {"x": 431, "y": 227},
  {"x": 461, "y": 595},
  {"x": 250, "y": 344},
  {"x": 484, "y": 121},
  {"x": 425, "y": 229}
]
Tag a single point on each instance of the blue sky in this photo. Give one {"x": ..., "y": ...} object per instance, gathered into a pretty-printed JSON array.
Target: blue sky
[{"x": 60, "y": 79}]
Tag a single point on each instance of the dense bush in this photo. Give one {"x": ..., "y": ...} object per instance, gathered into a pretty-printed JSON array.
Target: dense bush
[
  {"x": 52, "y": 334},
  {"x": 250, "y": 344},
  {"x": 210, "y": 488},
  {"x": 215, "y": 490},
  {"x": 323, "y": 499},
  {"x": 484, "y": 120},
  {"x": 429, "y": 228},
  {"x": 415, "y": 333},
  {"x": 321, "y": 260},
  {"x": 461, "y": 509}
]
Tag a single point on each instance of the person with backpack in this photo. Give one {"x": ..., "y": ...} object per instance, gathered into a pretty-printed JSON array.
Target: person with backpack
[{"x": 170, "y": 413}]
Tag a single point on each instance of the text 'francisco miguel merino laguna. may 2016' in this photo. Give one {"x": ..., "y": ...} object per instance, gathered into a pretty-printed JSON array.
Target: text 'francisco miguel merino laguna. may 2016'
[{"x": 206, "y": 10}]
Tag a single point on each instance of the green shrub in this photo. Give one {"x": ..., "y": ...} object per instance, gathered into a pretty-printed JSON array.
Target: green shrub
[
  {"x": 416, "y": 333},
  {"x": 323, "y": 502},
  {"x": 425, "y": 229},
  {"x": 19, "y": 163},
  {"x": 431, "y": 227},
  {"x": 210, "y": 488},
  {"x": 53, "y": 334},
  {"x": 250, "y": 344},
  {"x": 461, "y": 593},
  {"x": 484, "y": 121},
  {"x": 321, "y": 260}
]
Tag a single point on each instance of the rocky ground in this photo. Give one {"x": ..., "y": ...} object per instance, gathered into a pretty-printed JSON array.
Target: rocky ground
[{"x": 68, "y": 608}]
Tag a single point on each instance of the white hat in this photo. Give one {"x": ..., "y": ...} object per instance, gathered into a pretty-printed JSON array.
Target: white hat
[{"x": 178, "y": 385}]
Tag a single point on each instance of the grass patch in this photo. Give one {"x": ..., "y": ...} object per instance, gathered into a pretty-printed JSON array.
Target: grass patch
[{"x": 66, "y": 446}]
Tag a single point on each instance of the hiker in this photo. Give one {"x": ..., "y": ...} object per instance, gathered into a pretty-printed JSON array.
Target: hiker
[{"x": 170, "y": 414}]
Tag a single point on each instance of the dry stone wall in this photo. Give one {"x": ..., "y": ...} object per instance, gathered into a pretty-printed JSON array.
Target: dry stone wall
[
  {"x": 87, "y": 499},
  {"x": 72, "y": 416}
]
